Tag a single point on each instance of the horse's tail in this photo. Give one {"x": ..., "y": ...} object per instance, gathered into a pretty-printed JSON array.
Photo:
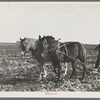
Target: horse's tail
[{"x": 82, "y": 53}]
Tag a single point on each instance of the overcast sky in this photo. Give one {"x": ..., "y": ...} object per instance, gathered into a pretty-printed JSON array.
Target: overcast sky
[{"x": 68, "y": 21}]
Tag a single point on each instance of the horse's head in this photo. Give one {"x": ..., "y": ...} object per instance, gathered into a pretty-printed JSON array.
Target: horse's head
[
  {"x": 43, "y": 45},
  {"x": 24, "y": 45},
  {"x": 97, "y": 47}
]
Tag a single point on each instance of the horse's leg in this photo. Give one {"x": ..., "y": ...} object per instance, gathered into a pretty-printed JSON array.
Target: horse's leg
[
  {"x": 66, "y": 68},
  {"x": 45, "y": 72},
  {"x": 74, "y": 65},
  {"x": 84, "y": 68},
  {"x": 41, "y": 70},
  {"x": 41, "y": 73},
  {"x": 59, "y": 69},
  {"x": 84, "y": 71},
  {"x": 54, "y": 67},
  {"x": 55, "y": 70}
]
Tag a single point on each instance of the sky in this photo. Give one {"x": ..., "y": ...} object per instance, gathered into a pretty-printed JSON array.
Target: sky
[{"x": 70, "y": 21}]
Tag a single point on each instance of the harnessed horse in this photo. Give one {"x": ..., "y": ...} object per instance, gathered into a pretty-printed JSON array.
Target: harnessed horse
[{"x": 50, "y": 49}]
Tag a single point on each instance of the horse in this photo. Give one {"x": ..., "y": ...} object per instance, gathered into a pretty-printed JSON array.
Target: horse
[
  {"x": 58, "y": 53},
  {"x": 27, "y": 45},
  {"x": 98, "y": 58}
]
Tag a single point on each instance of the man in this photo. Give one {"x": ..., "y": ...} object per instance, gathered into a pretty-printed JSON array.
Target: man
[{"x": 98, "y": 58}]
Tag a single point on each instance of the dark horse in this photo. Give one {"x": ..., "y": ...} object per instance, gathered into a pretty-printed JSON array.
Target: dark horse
[
  {"x": 58, "y": 53},
  {"x": 27, "y": 45},
  {"x": 98, "y": 58}
]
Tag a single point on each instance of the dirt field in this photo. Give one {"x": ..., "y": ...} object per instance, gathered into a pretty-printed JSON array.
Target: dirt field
[{"x": 18, "y": 73}]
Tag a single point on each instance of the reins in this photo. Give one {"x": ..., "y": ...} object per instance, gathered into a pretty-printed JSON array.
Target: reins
[
  {"x": 71, "y": 57},
  {"x": 59, "y": 46}
]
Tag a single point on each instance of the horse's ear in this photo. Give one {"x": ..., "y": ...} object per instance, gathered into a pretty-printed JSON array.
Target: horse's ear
[
  {"x": 20, "y": 39},
  {"x": 59, "y": 39},
  {"x": 24, "y": 38},
  {"x": 39, "y": 37}
]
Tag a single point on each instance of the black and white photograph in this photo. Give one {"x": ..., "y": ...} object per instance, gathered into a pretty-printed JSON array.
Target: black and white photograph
[{"x": 50, "y": 49}]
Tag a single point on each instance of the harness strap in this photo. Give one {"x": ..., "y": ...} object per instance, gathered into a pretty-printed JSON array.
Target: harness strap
[
  {"x": 58, "y": 47},
  {"x": 66, "y": 49},
  {"x": 64, "y": 45},
  {"x": 61, "y": 45}
]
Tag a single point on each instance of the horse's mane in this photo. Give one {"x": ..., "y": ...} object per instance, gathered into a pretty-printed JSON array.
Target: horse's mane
[{"x": 48, "y": 38}]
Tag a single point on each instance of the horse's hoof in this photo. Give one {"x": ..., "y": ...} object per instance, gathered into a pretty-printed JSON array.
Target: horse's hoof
[
  {"x": 95, "y": 68},
  {"x": 80, "y": 79},
  {"x": 83, "y": 80},
  {"x": 71, "y": 77}
]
